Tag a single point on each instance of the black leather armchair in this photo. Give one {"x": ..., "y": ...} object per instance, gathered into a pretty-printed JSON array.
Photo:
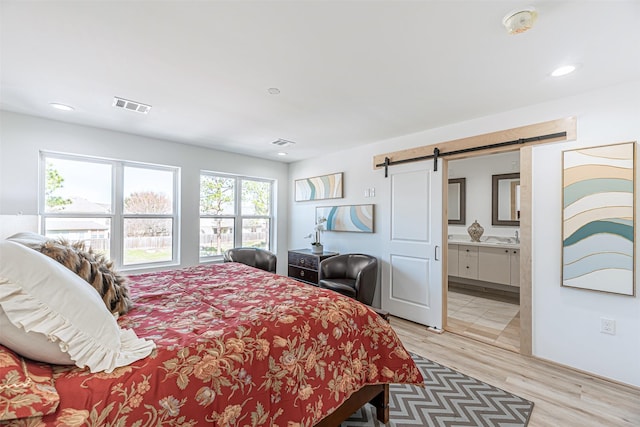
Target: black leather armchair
[
  {"x": 255, "y": 257},
  {"x": 353, "y": 275}
]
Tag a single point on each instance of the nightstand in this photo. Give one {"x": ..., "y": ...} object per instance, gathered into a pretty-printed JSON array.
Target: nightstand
[{"x": 304, "y": 265}]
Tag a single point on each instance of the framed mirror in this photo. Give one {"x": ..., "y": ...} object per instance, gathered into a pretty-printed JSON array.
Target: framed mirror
[
  {"x": 505, "y": 199},
  {"x": 456, "y": 201}
]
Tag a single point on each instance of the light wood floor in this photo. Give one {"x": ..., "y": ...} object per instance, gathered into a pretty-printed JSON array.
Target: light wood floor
[
  {"x": 563, "y": 397},
  {"x": 489, "y": 317}
]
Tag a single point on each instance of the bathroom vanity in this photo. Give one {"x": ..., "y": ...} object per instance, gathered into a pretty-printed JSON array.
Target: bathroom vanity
[{"x": 494, "y": 262}]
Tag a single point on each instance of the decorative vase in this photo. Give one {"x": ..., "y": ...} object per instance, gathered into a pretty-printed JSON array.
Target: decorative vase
[
  {"x": 475, "y": 231},
  {"x": 317, "y": 249}
]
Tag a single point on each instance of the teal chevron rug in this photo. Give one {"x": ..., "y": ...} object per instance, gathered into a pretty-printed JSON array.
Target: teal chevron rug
[{"x": 449, "y": 399}]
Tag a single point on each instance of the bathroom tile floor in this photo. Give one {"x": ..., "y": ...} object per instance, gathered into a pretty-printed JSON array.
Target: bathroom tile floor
[{"x": 493, "y": 319}]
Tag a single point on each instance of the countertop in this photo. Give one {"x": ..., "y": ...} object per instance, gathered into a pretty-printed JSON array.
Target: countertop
[{"x": 485, "y": 241}]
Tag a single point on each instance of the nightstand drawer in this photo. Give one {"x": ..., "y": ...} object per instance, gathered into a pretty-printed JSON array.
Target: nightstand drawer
[
  {"x": 304, "y": 265},
  {"x": 303, "y": 260},
  {"x": 303, "y": 274}
]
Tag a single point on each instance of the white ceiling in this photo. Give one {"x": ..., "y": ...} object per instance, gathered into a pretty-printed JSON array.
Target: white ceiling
[{"x": 349, "y": 72}]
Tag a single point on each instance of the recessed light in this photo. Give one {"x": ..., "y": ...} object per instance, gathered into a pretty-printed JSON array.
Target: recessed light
[
  {"x": 273, "y": 91},
  {"x": 563, "y": 71},
  {"x": 62, "y": 107},
  {"x": 282, "y": 153}
]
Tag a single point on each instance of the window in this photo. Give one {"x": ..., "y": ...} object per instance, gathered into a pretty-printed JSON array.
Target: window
[
  {"x": 125, "y": 210},
  {"x": 235, "y": 211}
]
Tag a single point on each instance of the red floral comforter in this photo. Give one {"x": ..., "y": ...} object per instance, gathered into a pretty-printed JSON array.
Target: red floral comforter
[{"x": 236, "y": 346}]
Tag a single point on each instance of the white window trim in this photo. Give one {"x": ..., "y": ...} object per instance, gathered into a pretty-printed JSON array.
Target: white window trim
[
  {"x": 237, "y": 216},
  {"x": 117, "y": 216}
]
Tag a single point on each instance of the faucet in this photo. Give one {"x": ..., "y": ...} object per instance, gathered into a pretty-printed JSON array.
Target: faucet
[{"x": 517, "y": 237}]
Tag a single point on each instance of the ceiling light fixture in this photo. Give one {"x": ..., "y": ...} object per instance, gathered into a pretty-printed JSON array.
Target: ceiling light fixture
[
  {"x": 519, "y": 21},
  {"x": 62, "y": 107},
  {"x": 127, "y": 104},
  {"x": 563, "y": 71},
  {"x": 273, "y": 91}
]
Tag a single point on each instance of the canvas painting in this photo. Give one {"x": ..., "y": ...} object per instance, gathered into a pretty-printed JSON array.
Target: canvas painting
[
  {"x": 598, "y": 245},
  {"x": 319, "y": 187},
  {"x": 357, "y": 218}
]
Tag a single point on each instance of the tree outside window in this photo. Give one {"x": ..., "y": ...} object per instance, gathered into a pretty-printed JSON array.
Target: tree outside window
[
  {"x": 223, "y": 207},
  {"x": 81, "y": 197}
]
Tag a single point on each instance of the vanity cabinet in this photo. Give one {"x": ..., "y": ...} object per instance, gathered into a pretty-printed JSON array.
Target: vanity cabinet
[
  {"x": 452, "y": 260},
  {"x": 494, "y": 265},
  {"x": 468, "y": 261},
  {"x": 488, "y": 264},
  {"x": 514, "y": 264}
]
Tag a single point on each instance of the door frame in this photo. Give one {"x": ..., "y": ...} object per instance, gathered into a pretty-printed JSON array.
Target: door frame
[
  {"x": 567, "y": 131},
  {"x": 525, "y": 242}
]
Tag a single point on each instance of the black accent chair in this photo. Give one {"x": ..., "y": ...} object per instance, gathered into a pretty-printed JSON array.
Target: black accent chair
[
  {"x": 353, "y": 275},
  {"x": 255, "y": 257}
]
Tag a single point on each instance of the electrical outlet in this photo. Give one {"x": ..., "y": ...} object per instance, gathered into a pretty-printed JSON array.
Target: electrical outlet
[{"x": 607, "y": 326}]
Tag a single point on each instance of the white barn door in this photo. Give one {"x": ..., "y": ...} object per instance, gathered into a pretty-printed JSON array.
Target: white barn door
[{"x": 412, "y": 277}]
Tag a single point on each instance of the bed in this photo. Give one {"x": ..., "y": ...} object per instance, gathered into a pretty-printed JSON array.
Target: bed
[{"x": 234, "y": 346}]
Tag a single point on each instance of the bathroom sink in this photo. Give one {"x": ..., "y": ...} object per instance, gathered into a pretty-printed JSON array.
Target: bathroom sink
[{"x": 501, "y": 240}]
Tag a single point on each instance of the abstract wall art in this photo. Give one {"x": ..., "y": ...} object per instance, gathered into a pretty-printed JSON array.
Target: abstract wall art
[
  {"x": 319, "y": 187},
  {"x": 357, "y": 218},
  {"x": 598, "y": 218}
]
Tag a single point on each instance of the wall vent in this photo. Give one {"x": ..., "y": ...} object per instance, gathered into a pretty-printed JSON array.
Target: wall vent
[
  {"x": 282, "y": 143},
  {"x": 131, "y": 105}
]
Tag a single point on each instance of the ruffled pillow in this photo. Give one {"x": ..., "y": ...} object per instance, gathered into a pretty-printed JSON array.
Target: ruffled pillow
[
  {"x": 26, "y": 388},
  {"x": 95, "y": 269},
  {"x": 41, "y": 296}
]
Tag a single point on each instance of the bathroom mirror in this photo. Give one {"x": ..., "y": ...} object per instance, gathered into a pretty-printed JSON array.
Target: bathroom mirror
[
  {"x": 456, "y": 201},
  {"x": 505, "y": 199}
]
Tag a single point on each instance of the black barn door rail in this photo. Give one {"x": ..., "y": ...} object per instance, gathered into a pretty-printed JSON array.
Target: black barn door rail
[{"x": 437, "y": 153}]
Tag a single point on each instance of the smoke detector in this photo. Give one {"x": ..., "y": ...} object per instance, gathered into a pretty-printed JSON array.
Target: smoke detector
[
  {"x": 127, "y": 104},
  {"x": 519, "y": 21}
]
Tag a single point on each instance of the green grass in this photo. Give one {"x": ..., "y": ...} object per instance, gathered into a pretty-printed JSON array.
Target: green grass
[{"x": 139, "y": 256}]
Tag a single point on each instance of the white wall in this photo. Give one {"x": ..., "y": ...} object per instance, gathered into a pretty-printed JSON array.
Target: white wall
[
  {"x": 23, "y": 136},
  {"x": 566, "y": 322},
  {"x": 477, "y": 172}
]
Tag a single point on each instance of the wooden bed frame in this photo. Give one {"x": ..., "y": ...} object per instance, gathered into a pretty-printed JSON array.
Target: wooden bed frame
[{"x": 377, "y": 395}]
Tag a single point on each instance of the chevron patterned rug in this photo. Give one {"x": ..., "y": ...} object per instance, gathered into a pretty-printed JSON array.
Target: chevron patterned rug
[{"x": 449, "y": 399}]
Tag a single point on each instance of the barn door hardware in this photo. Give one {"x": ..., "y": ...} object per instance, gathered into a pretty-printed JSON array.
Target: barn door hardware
[{"x": 437, "y": 153}]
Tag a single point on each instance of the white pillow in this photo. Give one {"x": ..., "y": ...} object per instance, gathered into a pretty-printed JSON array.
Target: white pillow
[
  {"x": 33, "y": 345},
  {"x": 29, "y": 239},
  {"x": 44, "y": 299}
]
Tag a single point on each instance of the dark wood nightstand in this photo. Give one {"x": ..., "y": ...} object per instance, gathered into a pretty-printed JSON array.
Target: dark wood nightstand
[{"x": 304, "y": 265}]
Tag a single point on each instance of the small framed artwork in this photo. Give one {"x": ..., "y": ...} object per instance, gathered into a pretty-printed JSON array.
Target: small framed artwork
[
  {"x": 357, "y": 218},
  {"x": 319, "y": 187},
  {"x": 598, "y": 218}
]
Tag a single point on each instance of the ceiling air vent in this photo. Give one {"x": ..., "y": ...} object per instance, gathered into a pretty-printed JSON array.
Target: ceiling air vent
[
  {"x": 131, "y": 105},
  {"x": 282, "y": 143}
]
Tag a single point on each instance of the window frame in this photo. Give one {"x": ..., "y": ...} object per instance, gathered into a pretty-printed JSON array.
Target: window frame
[
  {"x": 116, "y": 216},
  {"x": 237, "y": 216}
]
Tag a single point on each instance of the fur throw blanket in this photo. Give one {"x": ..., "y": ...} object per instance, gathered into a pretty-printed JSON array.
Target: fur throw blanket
[{"x": 95, "y": 269}]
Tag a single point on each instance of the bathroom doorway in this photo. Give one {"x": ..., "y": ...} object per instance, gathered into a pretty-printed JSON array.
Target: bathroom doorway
[{"x": 483, "y": 293}]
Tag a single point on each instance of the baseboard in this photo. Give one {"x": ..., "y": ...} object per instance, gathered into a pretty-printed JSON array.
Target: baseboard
[{"x": 587, "y": 373}]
